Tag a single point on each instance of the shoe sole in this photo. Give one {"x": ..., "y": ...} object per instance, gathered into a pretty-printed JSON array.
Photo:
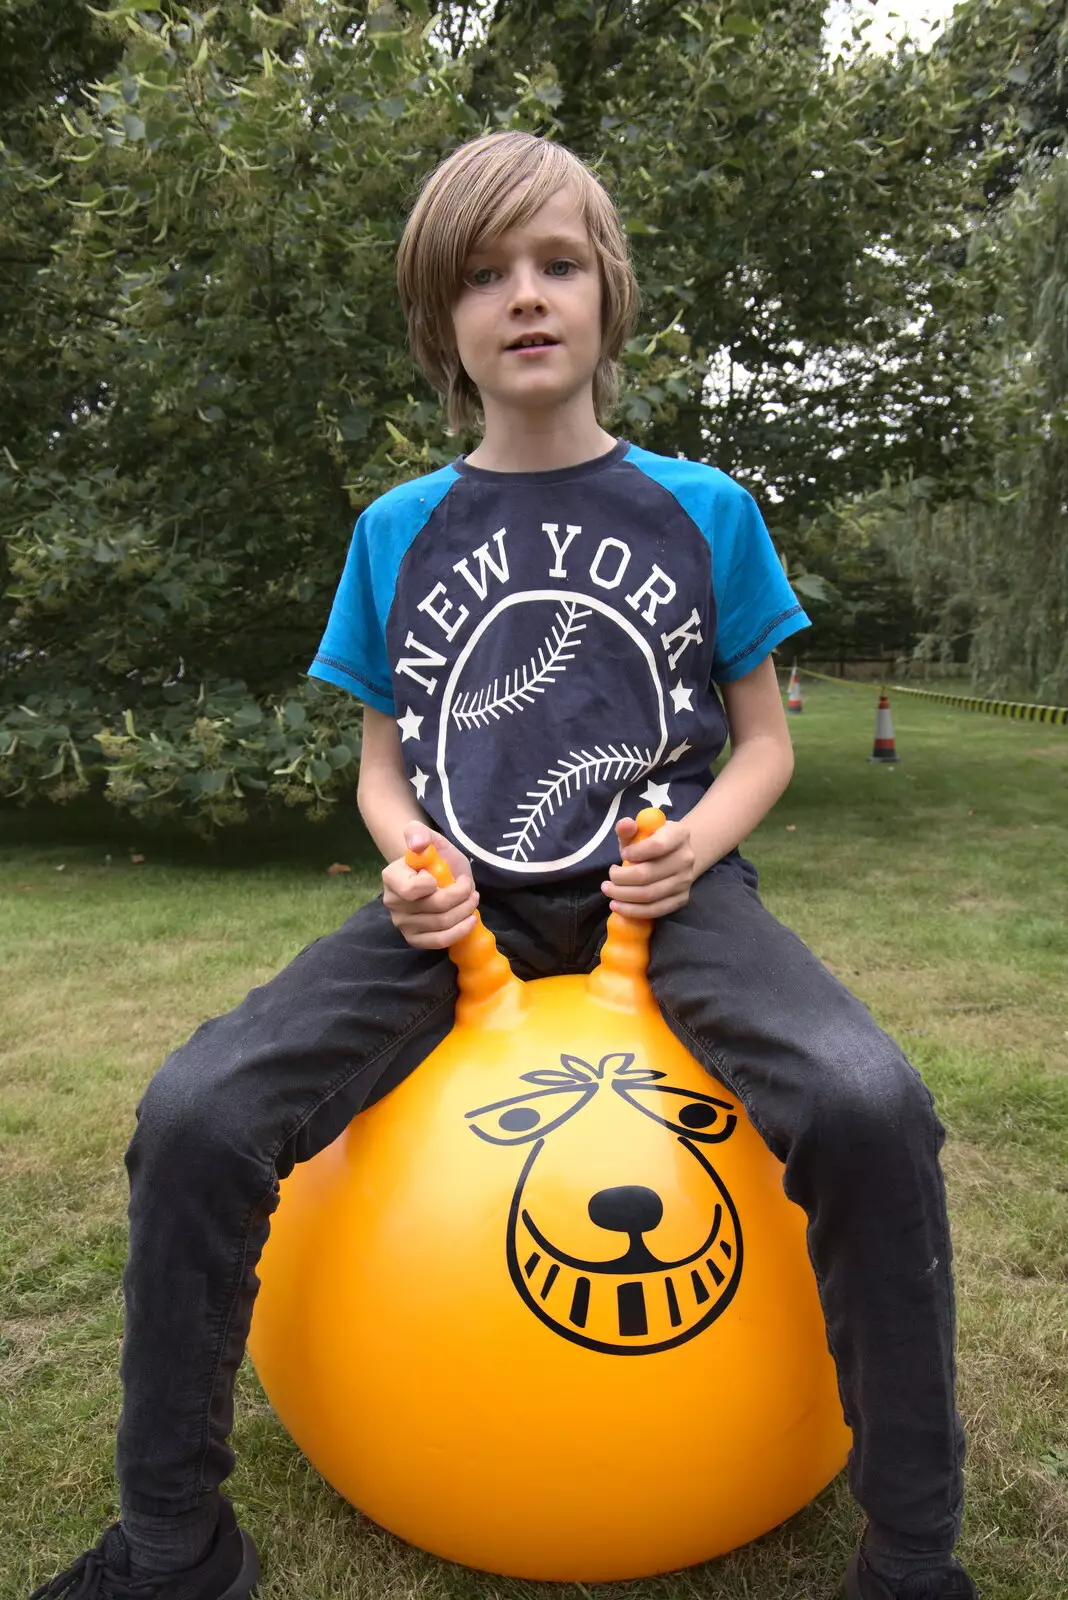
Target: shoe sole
[{"x": 244, "y": 1585}]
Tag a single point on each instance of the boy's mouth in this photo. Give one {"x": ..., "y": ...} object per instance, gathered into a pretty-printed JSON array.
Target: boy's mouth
[{"x": 532, "y": 341}]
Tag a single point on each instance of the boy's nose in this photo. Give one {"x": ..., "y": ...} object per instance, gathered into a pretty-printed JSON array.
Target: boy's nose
[{"x": 528, "y": 293}]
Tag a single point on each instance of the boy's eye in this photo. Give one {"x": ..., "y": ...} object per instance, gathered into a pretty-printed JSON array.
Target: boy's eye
[{"x": 482, "y": 277}]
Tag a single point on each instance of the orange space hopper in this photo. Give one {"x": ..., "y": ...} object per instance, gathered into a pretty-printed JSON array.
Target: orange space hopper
[{"x": 545, "y": 1309}]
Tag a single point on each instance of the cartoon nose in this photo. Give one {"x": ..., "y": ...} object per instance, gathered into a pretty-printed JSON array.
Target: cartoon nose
[{"x": 629, "y": 1208}]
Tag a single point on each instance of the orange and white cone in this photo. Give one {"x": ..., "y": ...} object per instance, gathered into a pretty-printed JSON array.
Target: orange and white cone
[
  {"x": 883, "y": 748},
  {"x": 794, "y": 702}
]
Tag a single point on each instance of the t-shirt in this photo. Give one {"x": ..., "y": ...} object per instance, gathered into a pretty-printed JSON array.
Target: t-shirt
[{"x": 550, "y": 645}]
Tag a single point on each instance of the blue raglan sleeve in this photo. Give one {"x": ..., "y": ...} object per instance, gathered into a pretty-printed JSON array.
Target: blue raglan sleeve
[
  {"x": 756, "y": 609},
  {"x": 353, "y": 648}
]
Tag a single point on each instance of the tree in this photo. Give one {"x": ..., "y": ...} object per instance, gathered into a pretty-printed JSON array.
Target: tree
[
  {"x": 795, "y": 217},
  {"x": 231, "y": 347},
  {"x": 985, "y": 550},
  {"x": 219, "y": 380},
  {"x": 991, "y": 566}
]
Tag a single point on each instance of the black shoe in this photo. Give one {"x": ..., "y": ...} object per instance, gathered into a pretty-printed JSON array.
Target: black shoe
[
  {"x": 945, "y": 1583},
  {"x": 229, "y": 1571}
]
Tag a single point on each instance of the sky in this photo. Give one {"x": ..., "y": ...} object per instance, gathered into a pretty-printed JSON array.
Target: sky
[{"x": 890, "y": 20}]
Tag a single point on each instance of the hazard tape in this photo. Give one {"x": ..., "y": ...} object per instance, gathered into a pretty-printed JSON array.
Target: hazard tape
[
  {"x": 1018, "y": 710},
  {"x": 847, "y": 683}
]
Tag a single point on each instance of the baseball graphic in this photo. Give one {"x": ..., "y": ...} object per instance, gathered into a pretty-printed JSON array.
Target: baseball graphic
[{"x": 556, "y": 785}]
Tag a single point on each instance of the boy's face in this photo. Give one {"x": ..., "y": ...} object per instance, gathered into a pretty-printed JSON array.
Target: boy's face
[{"x": 539, "y": 279}]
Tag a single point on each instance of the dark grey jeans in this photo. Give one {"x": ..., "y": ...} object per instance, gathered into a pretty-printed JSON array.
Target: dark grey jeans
[{"x": 276, "y": 1079}]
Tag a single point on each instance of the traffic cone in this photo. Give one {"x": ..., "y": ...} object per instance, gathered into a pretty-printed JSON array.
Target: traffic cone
[
  {"x": 794, "y": 702},
  {"x": 883, "y": 748}
]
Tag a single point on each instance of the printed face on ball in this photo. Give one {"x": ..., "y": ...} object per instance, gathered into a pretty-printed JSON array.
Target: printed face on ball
[{"x": 650, "y": 1263}]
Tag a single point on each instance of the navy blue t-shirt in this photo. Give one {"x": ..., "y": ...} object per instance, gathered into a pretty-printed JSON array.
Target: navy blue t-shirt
[{"x": 550, "y": 642}]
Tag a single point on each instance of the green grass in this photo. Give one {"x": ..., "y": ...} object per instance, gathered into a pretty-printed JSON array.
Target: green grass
[{"x": 937, "y": 889}]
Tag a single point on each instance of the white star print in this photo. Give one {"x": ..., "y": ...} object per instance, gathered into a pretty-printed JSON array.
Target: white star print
[
  {"x": 657, "y": 794},
  {"x": 419, "y": 782},
  {"x": 409, "y": 725},
  {"x": 680, "y": 698},
  {"x": 679, "y": 750}
]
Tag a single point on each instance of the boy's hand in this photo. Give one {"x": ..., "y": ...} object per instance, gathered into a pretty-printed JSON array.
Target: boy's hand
[
  {"x": 657, "y": 875},
  {"x": 428, "y": 917}
]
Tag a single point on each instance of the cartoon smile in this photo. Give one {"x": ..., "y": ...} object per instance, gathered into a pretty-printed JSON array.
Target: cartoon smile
[{"x": 632, "y": 1301}]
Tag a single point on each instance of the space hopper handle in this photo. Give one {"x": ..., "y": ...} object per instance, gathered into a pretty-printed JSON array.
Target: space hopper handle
[
  {"x": 620, "y": 977},
  {"x": 487, "y": 981},
  {"x": 485, "y": 978}
]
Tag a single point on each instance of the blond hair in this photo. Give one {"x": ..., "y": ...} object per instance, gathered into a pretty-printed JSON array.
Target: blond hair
[{"x": 484, "y": 188}]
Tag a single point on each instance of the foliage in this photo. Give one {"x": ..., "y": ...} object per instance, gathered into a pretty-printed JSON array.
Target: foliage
[
  {"x": 234, "y": 190},
  {"x": 200, "y": 754},
  {"x": 795, "y": 216},
  {"x": 990, "y": 565},
  {"x": 864, "y": 610},
  {"x": 196, "y": 277}
]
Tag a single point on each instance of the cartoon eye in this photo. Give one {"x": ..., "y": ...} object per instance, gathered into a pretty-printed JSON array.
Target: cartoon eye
[
  {"x": 700, "y": 1116},
  {"x": 529, "y": 1116}
]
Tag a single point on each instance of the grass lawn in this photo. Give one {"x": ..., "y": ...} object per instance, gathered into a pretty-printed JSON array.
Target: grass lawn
[{"x": 938, "y": 890}]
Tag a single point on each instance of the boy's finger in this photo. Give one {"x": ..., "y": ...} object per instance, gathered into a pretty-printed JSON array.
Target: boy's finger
[
  {"x": 441, "y": 939},
  {"x": 643, "y": 889},
  {"x": 457, "y": 894},
  {"x": 446, "y": 899},
  {"x": 623, "y": 876},
  {"x": 626, "y": 828},
  {"x": 660, "y": 908},
  {"x": 426, "y": 922},
  {"x": 641, "y": 871},
  {"x": 417, "y": 887},
  {"x": 653, "y": 845},
  {"x": 635, "y": 893}
]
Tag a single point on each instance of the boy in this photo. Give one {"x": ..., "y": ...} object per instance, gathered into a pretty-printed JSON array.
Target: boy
[{"x": 535, "y": 632}]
